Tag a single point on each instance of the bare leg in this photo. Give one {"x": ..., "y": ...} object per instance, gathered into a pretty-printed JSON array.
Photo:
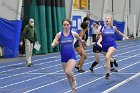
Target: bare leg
[
  {"x": 97, "y": 57},
  {"x": 82, "y": 53},
  {"x": 108, "y": 56},
  {"x": 83, "y": 57},
  {"x": 68, "y": 67}
]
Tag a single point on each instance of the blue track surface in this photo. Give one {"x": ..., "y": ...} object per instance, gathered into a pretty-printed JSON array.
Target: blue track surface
[{"x": 47, "y": 76}]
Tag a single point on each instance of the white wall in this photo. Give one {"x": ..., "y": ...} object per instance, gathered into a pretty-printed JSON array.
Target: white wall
[
  {"x": 108, "y": 6},
  {"x": 80, "y": 13},
  {"x": 119, "y": 9},
  {"x": 99, "y": 9},
  {"x": 135, "y": 9},
  {"x": 10, "y": 9},
  {"x": 68, "y": 5},
  {"x": 96, "y": 9}
]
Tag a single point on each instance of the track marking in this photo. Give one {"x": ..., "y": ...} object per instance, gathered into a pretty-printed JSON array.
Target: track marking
[
  {"x": 121, "y": 83},
  {"x": 102, "y": 77}
]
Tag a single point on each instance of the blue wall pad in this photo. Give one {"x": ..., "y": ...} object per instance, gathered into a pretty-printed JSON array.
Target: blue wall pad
[{"x": 10, "y": 36}]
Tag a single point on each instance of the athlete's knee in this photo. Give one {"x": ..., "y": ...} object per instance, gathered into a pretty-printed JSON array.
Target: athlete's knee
[
  {"x": 107, "y": 57},
  {"x": 98, "y": 61},
  {"x": 68, "y": 72}
]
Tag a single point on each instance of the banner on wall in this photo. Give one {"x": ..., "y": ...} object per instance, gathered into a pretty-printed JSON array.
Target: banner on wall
[
  {"x": 76, "y": 22},
  {"x": 120, "y": 26},
  {"x": 10, "y": 36}
]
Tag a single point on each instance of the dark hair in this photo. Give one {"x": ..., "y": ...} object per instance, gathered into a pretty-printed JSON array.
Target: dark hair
[
  {"x": 85, "y": 19},
  {"x": 84, "y": 25},
  {"x": 98, "y": 22},
  {"x": 67, "y": 21}
]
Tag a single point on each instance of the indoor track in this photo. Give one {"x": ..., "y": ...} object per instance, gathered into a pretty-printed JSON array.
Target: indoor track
[{"x": 47, "y": 76}]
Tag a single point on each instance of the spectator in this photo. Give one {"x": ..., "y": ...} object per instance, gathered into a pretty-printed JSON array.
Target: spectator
[{"x": 29, "y": 36}]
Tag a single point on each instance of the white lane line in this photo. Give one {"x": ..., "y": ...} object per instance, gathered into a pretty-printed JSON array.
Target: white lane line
[
  {"x": 56, "y": 73},
  {"x": 45, "y": 62},
  {"x": 60, "y": 70},
  {"x": 60, "y": 64},
  {"x": 31, "y": 79},
  {"x": 101, "y": 77},
  {"x": 49, "y": 83},
  {"x": 51, "y": 58},
  {"x": 121, "y": 83},
  {"x": 66, "y": 78},
  {"x": 32, "y": 61}
]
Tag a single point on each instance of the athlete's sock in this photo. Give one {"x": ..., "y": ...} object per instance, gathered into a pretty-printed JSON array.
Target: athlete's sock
[
  {"x": 111, "y": 64},
  {"x": 115, "y": 63},
  {"x": 94, "y": 64}
]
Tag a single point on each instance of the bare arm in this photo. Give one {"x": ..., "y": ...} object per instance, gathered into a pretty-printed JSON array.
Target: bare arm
[
  {"x": 120, "y": 33},
  {"x": 98, "y": 32},
  {"x": 56, "y": 40},
  {"x": 77, "y": 37},
  {"x": 100, "y": 40},
  {"x": 82, "y": 33}
]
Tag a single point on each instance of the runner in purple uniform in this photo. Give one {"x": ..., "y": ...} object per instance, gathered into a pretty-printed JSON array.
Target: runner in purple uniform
[
  {"x": 68, "y": 56},
  {"x": 107, "y": 37}
]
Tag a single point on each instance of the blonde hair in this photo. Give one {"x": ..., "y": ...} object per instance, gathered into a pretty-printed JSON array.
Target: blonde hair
[{"x": 109, "y": 17}]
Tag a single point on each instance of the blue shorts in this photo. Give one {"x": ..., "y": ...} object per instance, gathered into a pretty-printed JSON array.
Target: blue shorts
[
  {"x": 106, "y": 47},
  {"x": 67, "y": 58}
]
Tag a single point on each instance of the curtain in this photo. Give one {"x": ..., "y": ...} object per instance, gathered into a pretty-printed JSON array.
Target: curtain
[{"x": 48, "y": 15}]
